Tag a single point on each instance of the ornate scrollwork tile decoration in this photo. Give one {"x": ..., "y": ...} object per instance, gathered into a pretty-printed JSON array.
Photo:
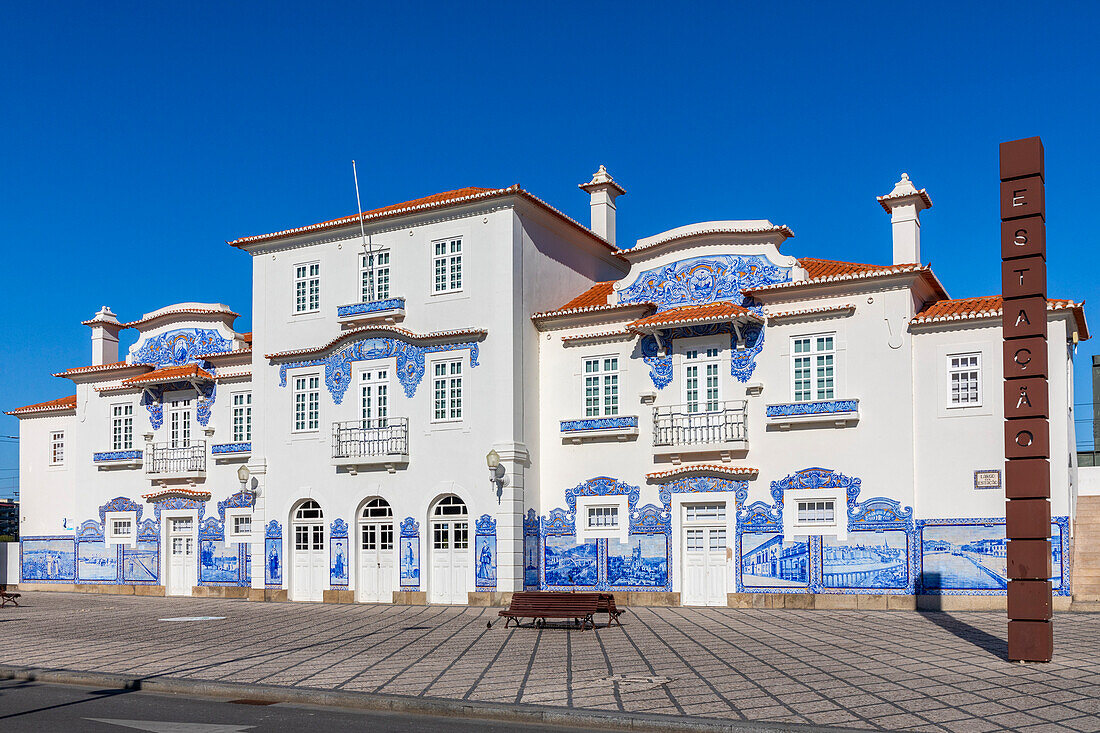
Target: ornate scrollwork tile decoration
[
  {"x": 660, "y": 367},
  {"x": 703, "y": 280},
  {"x": 599, "y": 423},
  {"x": 485, "y": 525},
  {"x": 410, "y": 527},
  {"x": 212, "y": 529},
  {"x": 243, "y": 499},
  {"x": 409, "y": 362},
  {"x": 339, "y": 529},
  {"x": 815, "y": 478},
  {"x": 89, "y": 530},
  {"x": 179, "y": 502},
  {"x": 273, "y": 531},
  {"x": 743, "y": 361},
  {"x": 822, "y": 407},
  {"x": 650, "y": 519},
  {"x": 152, "y": 399},
  {"x": 702, "y": 484},
  {"x": 120, "y": 504},
  {"x": 601, "y": 486},
  {"x": 180, "y": 346}
]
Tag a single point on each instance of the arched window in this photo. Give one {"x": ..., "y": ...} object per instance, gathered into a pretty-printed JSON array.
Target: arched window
[
  {"x": 309, "y": 509},
  {"x": 450, "y": 506},
  {"x": 376, "y": 508}
]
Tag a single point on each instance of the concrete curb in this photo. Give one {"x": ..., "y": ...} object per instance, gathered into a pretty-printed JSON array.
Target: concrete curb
[{"x": 404, "y": 704}]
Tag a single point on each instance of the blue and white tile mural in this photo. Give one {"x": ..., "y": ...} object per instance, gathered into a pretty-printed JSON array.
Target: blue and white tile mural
[
  {"x": 568, "y": 563},
  {"x": 485, "y": 557},
  {"x": 96, "y": 563},
  {"x": 769, "y": 562},
  {"x": 410, "y": 562},
  {"x": 338, "y": 553},
  {"x": 273, "y": 555},
  {"x": 219, "y": 563},
  {"x": 141, "y": 564},
  {"x": 867, "y": 559},
  {"x": 642, "y": 561},
  {"x": 531, "y": 551},
  {"x": 970, "y": 555},
  {"x": 50, "y": 559}
]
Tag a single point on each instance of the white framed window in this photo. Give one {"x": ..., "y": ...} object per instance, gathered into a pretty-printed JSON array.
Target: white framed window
[
  {"x": 307, "y": 403},
  {"x": 239, "y": 527},
  {"x": 813, "y": 367},
  {"x": 307, "y": 287},
  {"x": 816, "y": 511},
  {"x": 447, "y": 265},
  {"x": 374, "y": 397},
  {"x": 375, "y": 276},
  {"x": 601, "y": 386},
  {"x": 122, "y": 427},
  {"x": 179, "y": 423},
  {"x": 242, "y": 417},
  {"x": 120, "y": 528},
  {"x": 964, "y": 380},
  {"x": 446, "y": 391},
  {"x": 701, "y": 380},
  {"x": 710, "y": 513},
  {"x": 603, "y": 517},
  {"x": 57, "y": 448}
]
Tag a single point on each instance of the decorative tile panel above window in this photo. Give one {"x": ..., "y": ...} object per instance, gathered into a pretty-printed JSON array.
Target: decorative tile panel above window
[{"x": 839, "y": 413}]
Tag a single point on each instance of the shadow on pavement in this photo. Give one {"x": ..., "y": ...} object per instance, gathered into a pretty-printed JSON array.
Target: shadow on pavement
[{"x": 982, "y": 639}]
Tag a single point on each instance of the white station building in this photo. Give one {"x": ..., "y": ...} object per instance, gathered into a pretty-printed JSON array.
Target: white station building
[{"x": 492, "y": 397}]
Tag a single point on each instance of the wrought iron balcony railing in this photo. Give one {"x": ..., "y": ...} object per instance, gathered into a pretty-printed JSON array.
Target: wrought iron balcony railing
[
  {"x": 679, "y": 425},
  {"x": 164, "y": 458},
  {"x": 376, "y": 437}
]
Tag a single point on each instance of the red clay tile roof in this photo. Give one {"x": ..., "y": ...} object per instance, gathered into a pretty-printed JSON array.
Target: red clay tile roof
[
  {"x": 991, "y": 306},
  {"x": 64, "y": 403},
  {"x": 169, "y": 374},
  {"x": 177, "y": 491},
  {"x": 598, "y": 294},
  {"x": 701, "y": 468},
  {"x": 816, "y": 268},
  {"x": 95, "y": 368},
  {"x": 711, "y": 312},
  {"x": 426, "y": 203},
  {"x": 829, "y": 271}
]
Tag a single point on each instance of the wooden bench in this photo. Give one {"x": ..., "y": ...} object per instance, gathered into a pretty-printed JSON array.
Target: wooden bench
[
  {"x": 607, "y": 605},
  {"x": 6, "y": 598},
  {"x": 542, "y": 605}
]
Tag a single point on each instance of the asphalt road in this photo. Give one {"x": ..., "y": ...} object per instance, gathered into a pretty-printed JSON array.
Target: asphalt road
[{"x": 44, "y": 708}]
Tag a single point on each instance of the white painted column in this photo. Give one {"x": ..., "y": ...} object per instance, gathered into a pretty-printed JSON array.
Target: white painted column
[
  {"x": 257, "y": 479},
  {"x": 515, "y": 459}
]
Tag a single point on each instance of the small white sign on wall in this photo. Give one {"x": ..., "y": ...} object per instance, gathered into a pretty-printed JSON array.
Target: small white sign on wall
[{"x": 987, "y": 479}]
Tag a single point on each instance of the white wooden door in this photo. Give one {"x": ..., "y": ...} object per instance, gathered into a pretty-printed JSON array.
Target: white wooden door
[
  {"x": 704, "y": 555},
  {"x": 450, "y": 561},
  {"x": 182, "y": 564},
  {"x": 376, "y": 562},
  {"x": 309, "y": 574}
]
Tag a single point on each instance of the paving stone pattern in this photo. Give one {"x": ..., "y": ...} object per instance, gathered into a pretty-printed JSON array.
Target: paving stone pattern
[{"x": 888, "y": 670}]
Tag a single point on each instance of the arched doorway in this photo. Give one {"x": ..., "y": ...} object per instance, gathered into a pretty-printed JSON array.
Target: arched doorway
[
  {"x": 309, "y": 571},
  {"x": 450, "y": 537},
  {"x": 375, "y": 582}
]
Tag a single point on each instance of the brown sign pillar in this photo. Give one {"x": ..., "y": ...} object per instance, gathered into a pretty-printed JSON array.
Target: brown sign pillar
[{"x": 1027, "y": 429}]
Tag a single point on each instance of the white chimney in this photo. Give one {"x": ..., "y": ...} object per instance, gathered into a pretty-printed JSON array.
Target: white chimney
[
  {"x": 904, "y": 205},
  {"x": 105, "y": 328},
  {"x": 603, "y": 191}
]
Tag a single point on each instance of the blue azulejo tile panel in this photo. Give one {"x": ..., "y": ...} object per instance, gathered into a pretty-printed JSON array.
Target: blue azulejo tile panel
[
  {"x": 969, "y": 556},
  {"x": 96, "y": 563},
  {"x": 273, "y": 564},
  {"x": 870, "y": 560},
  {"x": 485, "y": 555},
  {"x": 338, "y": 561},
  {"x": 116, "y": 455},
  {"x": 531, "y": 561},
  {"x": 141, "y": 564},
  {"x": 230, "y": 448},
  {"x": 826, "y": 407},
  {"x": 769, "y": 562},
  {"x": 641, "y": 562},
  {"x": 49, "y": 559},
  {"x": 570, "y": 564},
  {"x": 374, "y": 306},
  {"x": 598, "y": 423},
  {"x": 410, "y": 563},
  {"x": 220, "y": 563}
]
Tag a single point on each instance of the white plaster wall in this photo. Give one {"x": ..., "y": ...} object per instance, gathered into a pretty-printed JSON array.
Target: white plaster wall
[
  {"x": 1089, "y": 481},
  {"x": 46, "y": 493}
]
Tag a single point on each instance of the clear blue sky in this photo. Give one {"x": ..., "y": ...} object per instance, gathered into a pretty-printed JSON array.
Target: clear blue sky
[{"x": 138, "y": 137}]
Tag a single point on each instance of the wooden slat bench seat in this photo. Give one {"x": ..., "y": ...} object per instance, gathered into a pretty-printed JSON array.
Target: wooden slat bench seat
[
  {"x": 607, "y": 605},
  {"x": 542, "y": 605},
  {"x": 6, "y": 598}
]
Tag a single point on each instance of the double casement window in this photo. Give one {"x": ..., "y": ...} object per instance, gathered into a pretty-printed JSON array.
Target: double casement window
[
  {"x": 375, "y": 276},
  {"x": 122, "y": 427},
  {"x": 307, "y": 287},
  {"x": 603, "y": 517},
  {"x": 179, "y": 424},
  {"x": 813, "y": 367},
  {"x": 242, "y": 417},
  {"x": 964, "y": 380},
  {"x": 307, "y": 403},
  {"x": 374, "y": 397},
  {"x": 447, "y": 265},
  {"x": 817, "y": 512},
  {"x": 57, "y": 448},
  {"x": 701, "y": 380},
  {"x": 601, "y": 386},
  {"x": 446, "y": 391}
]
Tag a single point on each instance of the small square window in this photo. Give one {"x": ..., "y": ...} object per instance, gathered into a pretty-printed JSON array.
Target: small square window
[
  {"x": 603, "y": 517},
  {"x": 240, "y": 526},
  {"x": 122, "y": 528},
  {"x": 817, "y": 512}
]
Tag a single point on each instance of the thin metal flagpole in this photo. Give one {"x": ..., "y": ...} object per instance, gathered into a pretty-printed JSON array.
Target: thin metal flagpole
[{"x": 367, "y": 250}]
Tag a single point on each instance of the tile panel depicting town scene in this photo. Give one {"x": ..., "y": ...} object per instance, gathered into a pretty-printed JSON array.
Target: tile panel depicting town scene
[{"x": 479, "y": 395}]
